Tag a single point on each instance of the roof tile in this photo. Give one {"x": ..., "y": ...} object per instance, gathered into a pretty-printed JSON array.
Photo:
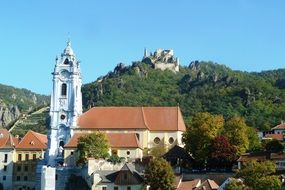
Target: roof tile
[
  {"x": 33, "y": 140},
  {"x": 152, "y": 118}
]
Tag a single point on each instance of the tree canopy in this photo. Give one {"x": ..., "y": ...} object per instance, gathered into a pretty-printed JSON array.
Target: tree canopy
[
  {"x": 222, "y": 153},
  {"x": 199, "y": 135},
  {"x": 274, "y": 146},
  {"x": 94, "y": 145},
  {"x": 259, "y": 175},
  {"x": 236, "y": 131},
  {"x": 159, "y": 174}
]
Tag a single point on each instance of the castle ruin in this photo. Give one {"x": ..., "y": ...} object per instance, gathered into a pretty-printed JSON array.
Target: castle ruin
[{"x": 162, "y": 59}]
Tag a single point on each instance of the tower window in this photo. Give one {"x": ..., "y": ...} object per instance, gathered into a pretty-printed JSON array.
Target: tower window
[
  {"x": 63, "y": 89},
  {"x": 62, "y": 117},
  {"x": 5, "y": 158},
  {"x": 66, "y": 62}
]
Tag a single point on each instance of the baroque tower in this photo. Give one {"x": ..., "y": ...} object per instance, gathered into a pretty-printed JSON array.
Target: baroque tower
[{"x": 66, "y": 104}]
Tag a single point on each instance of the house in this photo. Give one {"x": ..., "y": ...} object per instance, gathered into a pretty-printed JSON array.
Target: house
[
  {"x": 124, "y": 145},
  {"x": 188, "y": 185},
  {"x": 26, "y": 155},
  {"x": 279, "y": 137},
  {"x": 126, "y": 178},
  {"x": 208, "y": 185},
  {"x": 146, "y": 126},
  {"x": 277, "y": 158},
  {"x": 276, "y": 132},
  {"x": 279, "y": 129},
  {"x": 196, "y": 184},
  {"x": 179, "y": 158},
  {"x": 7, "y": 145}
]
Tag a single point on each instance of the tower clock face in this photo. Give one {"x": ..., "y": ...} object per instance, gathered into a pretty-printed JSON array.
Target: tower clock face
[{"x": 65, "y": 74}]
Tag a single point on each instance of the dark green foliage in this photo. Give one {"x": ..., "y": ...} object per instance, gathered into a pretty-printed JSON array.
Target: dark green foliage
[
  {"x": 94, "y": 145},
  {"x": 201, "y": 87},
  {"x": 115, "y": 159},
  {"x": 159, "y": 175},
  {"x": 274, "y": 146},
  {"x": 76, "y": 182}
]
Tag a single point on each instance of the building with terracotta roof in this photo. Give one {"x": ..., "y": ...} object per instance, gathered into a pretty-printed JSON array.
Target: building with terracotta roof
[
  {"x": 278, "y": 158},
  {"x": 149, "y": 126},
  {"x": 126, "y": 177},
  {"x": 27, "y": 153},
  {"x": 208, "y": 185},
  {"x": 7, "y": 145},
  {"x": 126, "y": 145},
  {"x": 279, "y": 137}
]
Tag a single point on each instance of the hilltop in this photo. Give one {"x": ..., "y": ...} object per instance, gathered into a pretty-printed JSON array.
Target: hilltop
[{"x": 259, "y": 97}]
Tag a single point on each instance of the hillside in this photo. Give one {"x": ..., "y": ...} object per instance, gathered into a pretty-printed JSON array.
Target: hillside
[
  {"x": 36, "y": 121},
  {"x": 201, "y": 86},
  {"x": 14, "y": 102}
]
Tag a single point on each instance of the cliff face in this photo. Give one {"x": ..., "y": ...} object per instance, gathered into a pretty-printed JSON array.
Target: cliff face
[
  {"x": 15, "y": 101},
  {"x": 8, "y": 114}
]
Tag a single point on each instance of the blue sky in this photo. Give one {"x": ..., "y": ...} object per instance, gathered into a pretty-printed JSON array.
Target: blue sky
[{"x": 245, "y": 35}]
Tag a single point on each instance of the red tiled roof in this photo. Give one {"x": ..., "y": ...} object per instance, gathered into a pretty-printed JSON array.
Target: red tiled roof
[
  {"x": 280, "y": 126},
  {"x": 208, "y": 185},
  {"x": 7, "y": 140},
  {"x": 275, "y": 136},
  {"x": 259, "y": 156},
  {"x": 33, "y": 140},
  {"x": 152, "y": 118},
  {"x": 116, "y": 140},
  {"x": 188, "y": 185}
]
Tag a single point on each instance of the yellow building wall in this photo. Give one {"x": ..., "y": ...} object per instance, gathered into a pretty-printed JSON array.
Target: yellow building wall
[{"x": 24, "y": 170}]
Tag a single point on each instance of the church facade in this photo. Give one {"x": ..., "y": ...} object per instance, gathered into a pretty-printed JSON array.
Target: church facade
[{"x": 131, "y": 131}]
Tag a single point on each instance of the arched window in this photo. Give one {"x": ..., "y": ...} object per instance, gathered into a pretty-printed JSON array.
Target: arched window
[
  {"x": 63, "y": 89},
  {"x": 66, "y": 62},
  {"x": 61, "y": 143}
]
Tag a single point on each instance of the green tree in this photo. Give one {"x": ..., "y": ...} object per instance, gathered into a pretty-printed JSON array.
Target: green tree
[
  {"x": 236, "y": 131},
  {"x": 115, "y": 159},
  {"x": 76, "y": 182},
  {"x": 258, "y": 175},
  {"x": 236, "y": 184},
  {"x": 94, "y": 145},
  {"x": 254, "y": 142},
  {"x": 199, "y": 135},
  {"x": 159, "y": 175},
  {"x": 274, "y": 146}
]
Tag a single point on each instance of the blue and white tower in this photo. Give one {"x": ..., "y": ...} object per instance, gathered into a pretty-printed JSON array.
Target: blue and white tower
[{"x": 66, "y": 104}]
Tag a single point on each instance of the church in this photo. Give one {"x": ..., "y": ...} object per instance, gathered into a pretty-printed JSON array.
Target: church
[{"x": 131, "y": 131}]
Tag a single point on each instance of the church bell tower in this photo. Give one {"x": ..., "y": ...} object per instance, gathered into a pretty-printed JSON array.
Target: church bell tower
[{"x": 66, "y": 104}]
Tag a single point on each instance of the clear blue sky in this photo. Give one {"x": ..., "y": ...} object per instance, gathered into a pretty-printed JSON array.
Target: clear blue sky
[{"x": 245, "y": 35}]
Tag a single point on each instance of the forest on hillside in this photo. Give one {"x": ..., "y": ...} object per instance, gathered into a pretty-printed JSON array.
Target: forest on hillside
[{"x": 259, "y": 97}]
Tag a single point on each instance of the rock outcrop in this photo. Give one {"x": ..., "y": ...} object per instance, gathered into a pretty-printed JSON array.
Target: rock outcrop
[{"x": 8, "y": 114}]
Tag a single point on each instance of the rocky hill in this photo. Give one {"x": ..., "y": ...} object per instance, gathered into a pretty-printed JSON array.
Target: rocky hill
[
  {"x": 14, "y": 102},
  {"x": 201, "y": 86}
]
